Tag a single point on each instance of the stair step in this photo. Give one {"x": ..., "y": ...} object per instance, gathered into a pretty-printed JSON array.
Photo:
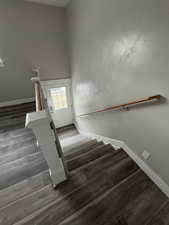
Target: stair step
[
  {"x": 9, "y": 112},
  {"x": 20, "y": 169},
  {"x": 17, "y": 107},
  {"x": 12, "y": 123},
  {"x": 107, "y": 205},
  {"x": 82, "y": 149},
  {"x": 162, "y": 216},
  {"x": 4, "y": 115},
  {"x": 120, "y": 221},
  {"x": 70, "y": 196},
  {"x": 14, "y": 115},
  {"x": 68, "y": 131},
  {"x": 147, "y": 203},
  {"x": 10, "y": 134},
  {"x": 11, "y": 127},
  {"x": 117, "y": 221},
  {"x": 24, "y": 188},
  {"x": 4, "y": 151},
  {"x": 89, "y": 156},
  {"x": 141, "y": 208},
  {"x": 73, "y": 142},
  {"x": 32, "y": 184},
  {"x": 17, "y": 153},
  {"x": 75, "y": 147},
  {"x": 63, "y": 130},
  {"x": 16, "y": 142}
]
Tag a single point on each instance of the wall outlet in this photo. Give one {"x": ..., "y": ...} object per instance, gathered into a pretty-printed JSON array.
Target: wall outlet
[{"x": 146, "y": 155}]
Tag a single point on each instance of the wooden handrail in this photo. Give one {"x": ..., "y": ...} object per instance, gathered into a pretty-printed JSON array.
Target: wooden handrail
[{"x": 151, "y": 98}]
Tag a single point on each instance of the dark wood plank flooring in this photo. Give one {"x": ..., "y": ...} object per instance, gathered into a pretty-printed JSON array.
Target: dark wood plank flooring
[{"x": 105, "y": 187}]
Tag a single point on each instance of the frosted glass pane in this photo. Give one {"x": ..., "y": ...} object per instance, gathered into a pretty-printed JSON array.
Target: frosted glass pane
[{"x": 59, "y": 98}]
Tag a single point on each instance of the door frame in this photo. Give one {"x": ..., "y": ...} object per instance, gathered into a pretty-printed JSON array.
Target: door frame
[{"x": 46, "y": 84}]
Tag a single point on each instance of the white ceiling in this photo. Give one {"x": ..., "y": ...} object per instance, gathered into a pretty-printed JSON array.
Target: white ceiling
[{"x": 58, "y": 3}]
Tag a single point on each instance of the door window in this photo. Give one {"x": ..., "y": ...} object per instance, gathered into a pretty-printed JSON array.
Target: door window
[{"x": 59, "y": 98}]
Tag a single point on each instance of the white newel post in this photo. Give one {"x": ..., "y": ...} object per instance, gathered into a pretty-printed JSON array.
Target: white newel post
[{"x": 40, "y": 124}]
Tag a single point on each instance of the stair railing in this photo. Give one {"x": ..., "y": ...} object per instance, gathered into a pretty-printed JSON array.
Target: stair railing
[
  {"x": 42, "y": 104},
  {"x": 125, "y": 105},
  {"x": 38, "y": 94},
  {"x": 57, "y": 141}
]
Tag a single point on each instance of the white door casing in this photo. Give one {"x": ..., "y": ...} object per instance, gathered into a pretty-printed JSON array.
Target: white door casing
[{"x": 59, "y": 97}]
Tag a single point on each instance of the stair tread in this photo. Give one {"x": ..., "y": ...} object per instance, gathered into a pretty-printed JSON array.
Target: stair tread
[
  {"x": 82, "y": 149},
  {"x": 138, "y": 197},
  {"x": 67, "y": 131},
  {"x": 97, "y": 211},
  {"x": 17, "y": 110},
  {"x": 19, "y": 140},
  {"x": 24, "y": 188},
  {"x": 18, "y": 106},
  {"x": 17, "y": 191},
  {"x": 91, "y": 155},
  {"x": 20, "y": 169},
  {"x": 74, "y": 147},
  {"x": 73, "y": 142},
  {"x": 162, "y": 216},
  {"x": 9, "y": 123},
  {"x": 77, "y": 189},
  {"x": 14, "y": 115},
  {"x": 15, "y": 126},
  {"x": 13, "y": 148},
  {"x": 17, "y": 153},
  {"x": 144, "y": 206},
  {"x": 15, "y": 133}
]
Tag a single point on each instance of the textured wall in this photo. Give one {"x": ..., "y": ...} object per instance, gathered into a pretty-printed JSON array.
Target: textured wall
[
  {"x": 30, "y": 34},
  {"x": 120, "y": 52}
]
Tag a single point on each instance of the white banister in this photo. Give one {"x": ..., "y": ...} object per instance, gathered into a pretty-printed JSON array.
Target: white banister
[
  {"x": 46, "y": 135},
  {"x": 38, "y": 94},
  {"x": 40, "y": 125}
]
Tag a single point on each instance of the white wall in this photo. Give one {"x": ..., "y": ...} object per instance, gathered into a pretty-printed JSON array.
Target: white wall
[
  {"x": 120, "y": 52},
  {"x": 30, "y": 34}
]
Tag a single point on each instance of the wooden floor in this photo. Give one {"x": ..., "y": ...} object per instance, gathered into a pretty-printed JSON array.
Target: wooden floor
[{"x": 105, "y": 186}]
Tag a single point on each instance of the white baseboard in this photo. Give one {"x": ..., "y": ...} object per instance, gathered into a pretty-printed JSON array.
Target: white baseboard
[
  {"x": 148, "y": 170},
  {"x": 115, "y": 143},
  {"x": 141, "y": 163},
  {"x": 16, "y": 102}
]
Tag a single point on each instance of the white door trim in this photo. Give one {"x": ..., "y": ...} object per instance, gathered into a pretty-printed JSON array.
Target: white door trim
[
  {"x": 50, "y": 83},
  {"x": 55, "y": 82},
  {"x": 46, "y": 85}
]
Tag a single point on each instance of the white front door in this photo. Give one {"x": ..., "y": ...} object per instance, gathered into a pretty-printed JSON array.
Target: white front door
[{"x": 58, "y": 93}]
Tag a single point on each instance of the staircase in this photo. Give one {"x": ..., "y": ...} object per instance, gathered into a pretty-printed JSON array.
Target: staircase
[{"x": 105, "y": 186}]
